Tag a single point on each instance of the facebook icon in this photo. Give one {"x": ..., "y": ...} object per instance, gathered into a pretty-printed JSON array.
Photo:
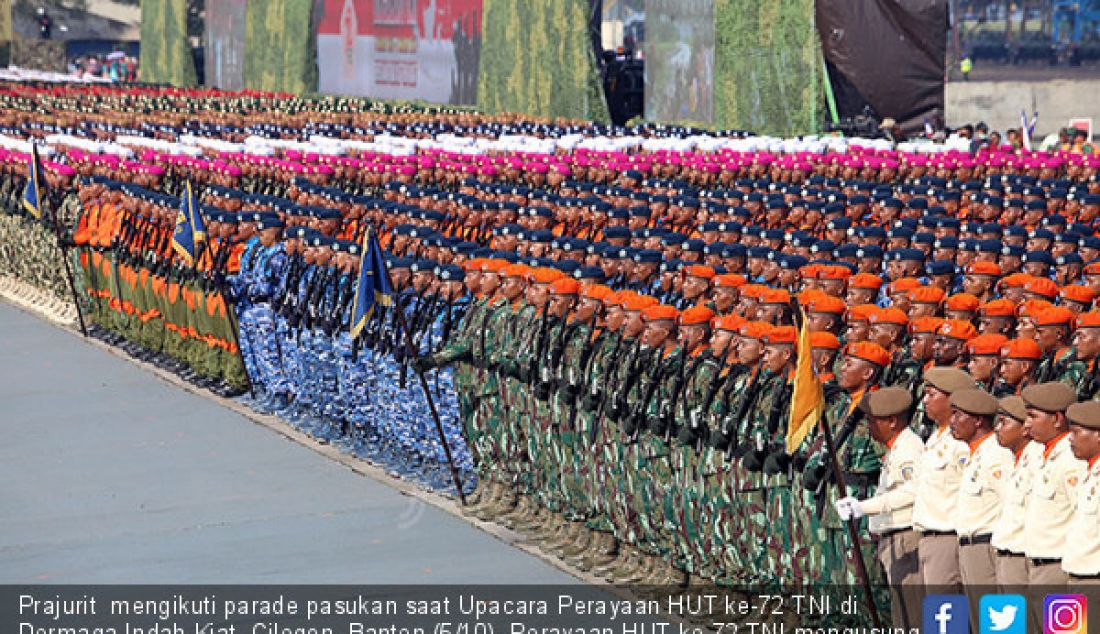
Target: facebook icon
[{"x": 946, "y": 614}]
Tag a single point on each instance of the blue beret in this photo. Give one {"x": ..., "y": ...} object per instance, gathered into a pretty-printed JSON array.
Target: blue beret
[
  {"x": 924, "y": 237},
  {"x": 758, "y": 252},
  {"x": 1068, "y": 258},
  {"x": 590, "y": 272},
  {"x": 823, "y": 246},
  {"x": 451, "y": 273},
  {"x": 424, "y": 265},
  {"x": 616, "y": 232},
  {"x": 847, "y": 250},
  {"x": 940, "y": 267},
  {"x": 1039, "y": 256},
  {"x": 648, "y": 255},
  {"x": 870, "y": 251},
  {"x": 735, "y": 251},
  {"x": 988, "y": 246},
  {"x": 946, "y": 242}
]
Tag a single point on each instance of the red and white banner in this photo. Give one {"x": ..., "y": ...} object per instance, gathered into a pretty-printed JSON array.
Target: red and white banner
[{"x": 400, "y": 49}]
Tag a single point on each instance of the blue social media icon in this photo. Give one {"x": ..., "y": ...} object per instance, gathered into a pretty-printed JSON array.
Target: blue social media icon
[
  {"x": 946, "y": 614},
  {"x": 1003, "y": 614}
]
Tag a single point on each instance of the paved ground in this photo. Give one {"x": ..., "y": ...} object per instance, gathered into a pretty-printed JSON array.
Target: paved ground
[{"x": 111, "y": 475}]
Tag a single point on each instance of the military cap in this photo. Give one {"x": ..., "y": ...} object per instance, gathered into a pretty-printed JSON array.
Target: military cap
[
  {"x": 647, "y": 255},
  {"x": 869, "y": 352},
  {"x": 450, "y": 273},
  {"x": 424, "y": 265},
  {"x": 270, "y": 222},
  {"x": 1086, "y": 414},
  {"x": 1068, "y": 258},
  {"x": 948, "y": 380},
  {"x": 872, "y": 251},
  {"x": 974, "y": 401},
  {"x": 1051, "y": 397},
  {"x": 589, "y": 272},
  {"x": 889, "y": 401},
  {"x": 318, "y": 240},
  {"x": 1013, "y": 406}
]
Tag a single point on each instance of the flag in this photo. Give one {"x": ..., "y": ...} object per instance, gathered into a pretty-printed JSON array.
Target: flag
[
  {"x": 190, "y": 230},
  {"x": 1025, "y": 131},
  {"x": 34, "y": 192},
  {"x": 374, "y": 285},
  {"x": 808, "y": 398}
]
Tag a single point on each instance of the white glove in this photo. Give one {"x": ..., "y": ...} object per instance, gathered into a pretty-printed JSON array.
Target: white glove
[{"x": 849, "y": 508}]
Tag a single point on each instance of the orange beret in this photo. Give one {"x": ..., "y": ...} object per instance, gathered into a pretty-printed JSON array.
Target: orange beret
[
  {"x": 964, "y": 302},
  {"x": 473, "y": 264},
  {"x": 889, "y": 315},
  {"x": 1015, "y": 280},
  {"x": 638, "y": 302},
  {"x": 731, "y": 323},
  {"x": 984, "y": 268},
  {"x": 825, "y": 340},
  {"x": 826, "y": 304},
  {"x": 834, "y": 272},
  {"x": 998, "y": 308},
  {"x": 516, "y": 270},
  {"x": 1078, "y": 293},
  {"x": 494, "y": 265},
  {"x": 545, "y": 275},
  {"x": 870, "y": 352},
  {"x": 927, "y": 295},
  {"x": 987, "y": 345},
  {"x": 775, "y": 296},
  {"x": 781, "y": 335},
  {"x": 729, "y": 280},
  {"x": 753, "y": 290},
  {"x": 1042, "y": 286},
  {"x": 660, "y": 312},
  {"x": 903, "y": 285},
  {"x": 696, "y": 315},
  {"x": 925, "y": 325},
  {"x": 1055, "y": 316},
  {"x": 1092, "y": 268},
  {"x": 1032, "y": 307},
  {"x": 957, "y": 329},
  {"x": 865, "y": 280},
  {"x": 860, "y": 312},
  {"x": 1088, "y": 320},
  {"x": 755, "y": 329},
  {"x": 1021, "y": 349},
  {"x": 597, "y": 291},
  {"x": 698, "y": 270},
  {"x": 809, "y": 271},
  {"x": 565, "y": 286}
]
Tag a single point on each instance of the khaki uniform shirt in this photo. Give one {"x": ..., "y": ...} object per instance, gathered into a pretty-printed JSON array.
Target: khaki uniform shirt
[
  {"x": 1008, "y": 530},
  {"x": 939, "y": 473},
  {"x": 892, "y": 506},
  {"x": 1050, "y": 502},
  {"x": 1082, "y": 552},
  {"x": 983, "y": 487}
]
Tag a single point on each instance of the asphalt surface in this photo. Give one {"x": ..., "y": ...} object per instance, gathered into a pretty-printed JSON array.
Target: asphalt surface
[{"x": 109, "y": 474}]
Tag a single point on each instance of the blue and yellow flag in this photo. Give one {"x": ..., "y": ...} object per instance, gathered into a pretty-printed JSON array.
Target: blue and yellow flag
[
  {"x": 374, "y": 285},
  {"x": 34, "y": 191},
  {"x": 190, "y": 230}
]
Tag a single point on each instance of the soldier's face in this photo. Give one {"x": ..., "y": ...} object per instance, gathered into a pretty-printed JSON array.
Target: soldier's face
[
  {"x": 882, "y": 428},
  {"x": 937, "y": 404},
  {"x": 634, "y": 325},
  {"x": 854, "y": 373},
  {"x": 981, "y": 367},
  {"x": 1050, "y": 337},
  {"x": 656, "y": 332},
  {"x": 511, "y": 287},
  {"x": 1010, "y": 432},
  {"x": 1043, "y": 426},
  {"x": 777, "y": 357},
  {"x": 1087, "y": 343},
  {"x": 749, "y": 350},
  {"x": 720, "y": 342},
  {"x": 560, "y": 305},
  {"x": 858, "y": 296},
  {"x": 857, "y": 331},
  {"x": 1085, "y": 442}
]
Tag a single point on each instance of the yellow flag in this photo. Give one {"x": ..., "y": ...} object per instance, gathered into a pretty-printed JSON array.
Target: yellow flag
[{"x": 808, "y": 398}]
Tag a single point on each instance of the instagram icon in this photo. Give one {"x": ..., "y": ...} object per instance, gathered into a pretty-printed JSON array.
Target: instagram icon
[{"x": 1065, "y": 614}]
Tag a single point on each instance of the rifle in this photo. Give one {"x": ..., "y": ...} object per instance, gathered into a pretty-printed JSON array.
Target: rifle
[{"x": 736, "y": 449}]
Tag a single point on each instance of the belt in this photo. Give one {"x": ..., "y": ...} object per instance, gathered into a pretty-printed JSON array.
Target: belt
[
  {"x": 938, "y": 533},
  {"x": 894, "y": 531},
  {"x": 970, "y": 540},
  {"x": 1008, "y": 553},
  {"x": 1043, "y": 562}
]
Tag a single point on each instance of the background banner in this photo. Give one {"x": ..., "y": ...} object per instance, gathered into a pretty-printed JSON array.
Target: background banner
[
  {"x": 400, "y": 49},
  {"x": 225, "y": 44},
  {"x": 165, "y": 52},
  {"x": 679, "y": 68},
  {"x": 280, "y": 53}
]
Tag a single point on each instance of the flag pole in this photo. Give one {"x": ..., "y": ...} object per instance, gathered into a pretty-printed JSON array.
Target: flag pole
[
  {"x": 42, "y": 200},
  {"x": 851, "y": 524}
]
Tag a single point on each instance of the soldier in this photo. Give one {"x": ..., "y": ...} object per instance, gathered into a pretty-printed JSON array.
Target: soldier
[
  {"x": 1054, "y": 328},
  {"x": 980, "y": 496},
  {"x": 984, "y": 353},
  {"x": 1081, "y": 556},
  {"x": 939, "y": 474},
  {"x": 1086, "y": 343},
  {"x": 1053, "y": 490},
  {"x": 890, "y": 509},
  {"x": 1016, "y": 371},
  {"x": 1008, "y": 530}
]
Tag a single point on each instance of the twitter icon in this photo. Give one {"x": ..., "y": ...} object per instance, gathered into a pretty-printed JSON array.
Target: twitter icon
[{"x": 1003, "y": 614}]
